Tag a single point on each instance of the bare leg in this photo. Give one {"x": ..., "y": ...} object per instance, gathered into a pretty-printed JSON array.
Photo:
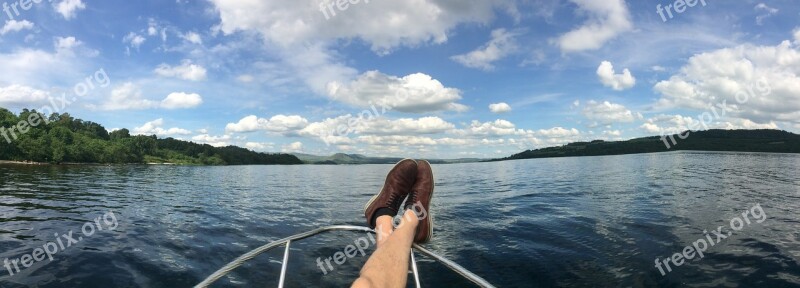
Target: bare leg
[
  {"x": 388, "y": 266},
  {"x": 384, "y": 228}
]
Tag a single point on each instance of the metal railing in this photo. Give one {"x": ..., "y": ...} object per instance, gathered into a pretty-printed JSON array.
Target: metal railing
[{"x": 288, "y": 241}]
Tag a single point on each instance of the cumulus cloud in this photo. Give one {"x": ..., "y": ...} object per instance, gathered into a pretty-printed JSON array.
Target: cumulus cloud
[
  {"x": 278, "y": 124},
  {"x": 259, "y": 147},
  {"x": 18, "y": 96},
  {"x": 181, "y": 100},
  {"x": 501, "y": 45},
  {"x": 384, "y": 25},
  {"x": 675, "y": 124},
  {"x": 415, "y": 93},
  {"x": 293, "y": 147},
  {"x": 301, "y": 36},
  {"x": 134, "y": 40},
  {"x": 192, "y": 37},
  {"x": 796, "y": 36},
  {"x": 185, "y": 71},
  {"x": 216, "y": 141},
  {"x": 608, "y": 113},
  {"x": 607, "y": 19},
  {"x": 609, "y": 78},
  {"x": 69, "y": 8},
  {"x": 406, "y": 126},
  {"x": 15, "y": 26},
  {"x": 396, "y": 140},
  {"x": 128, "y": 96},
  {"x": 499, "y": 108},
  {"x": 155, "y": 128},
  {"x": 757, "y": 83},
  {"x": 495, "y": 128}
]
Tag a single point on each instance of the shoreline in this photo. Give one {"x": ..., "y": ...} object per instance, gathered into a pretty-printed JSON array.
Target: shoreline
[{"x": 9, "y": 162}]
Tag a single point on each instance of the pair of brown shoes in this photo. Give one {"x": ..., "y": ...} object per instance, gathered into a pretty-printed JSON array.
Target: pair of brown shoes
[{"x": 413, "y": 179}]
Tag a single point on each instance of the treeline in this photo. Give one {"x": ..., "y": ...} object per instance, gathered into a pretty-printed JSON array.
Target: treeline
[
  {"x": 775, "y": 141},
  {"x": 60, "y": 138}
]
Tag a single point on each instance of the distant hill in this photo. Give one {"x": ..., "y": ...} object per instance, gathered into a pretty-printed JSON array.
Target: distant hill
[
  {"x": 353, "y": 159},
  {"x": 712, "y": 140}
]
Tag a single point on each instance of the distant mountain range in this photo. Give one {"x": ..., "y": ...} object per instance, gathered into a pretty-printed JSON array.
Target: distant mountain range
[
  {"x": 776, "y": 141},
  {"x": 353, "y": 159}
]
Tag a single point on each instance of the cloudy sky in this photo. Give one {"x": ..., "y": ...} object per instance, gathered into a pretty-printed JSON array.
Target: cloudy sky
[{"x": 421, "y": 78}]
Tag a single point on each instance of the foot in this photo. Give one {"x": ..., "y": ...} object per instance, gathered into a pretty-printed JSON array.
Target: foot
[
  {"x": 419, "y": 201},
  {"x": 397, "y": 186}
]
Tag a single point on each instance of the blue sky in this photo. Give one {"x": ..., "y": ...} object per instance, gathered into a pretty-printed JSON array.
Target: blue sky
[{"x": 422, "y": 78}]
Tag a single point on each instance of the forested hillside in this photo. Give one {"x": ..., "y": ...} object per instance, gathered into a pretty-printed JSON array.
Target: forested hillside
[
  {"x": 60, "y": 138},
  {"x": 712, "y": 140}
]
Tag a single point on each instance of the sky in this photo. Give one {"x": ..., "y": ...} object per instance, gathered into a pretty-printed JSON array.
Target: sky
[{"x": 412, "y": 78}]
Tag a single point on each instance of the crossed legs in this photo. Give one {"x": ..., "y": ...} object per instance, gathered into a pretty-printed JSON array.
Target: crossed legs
[{"x": 388, "y": 266}]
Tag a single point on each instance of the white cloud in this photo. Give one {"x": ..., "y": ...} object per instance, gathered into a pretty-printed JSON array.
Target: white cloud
[
  {"x": 300, "y": 35},
  {"x": 607, "y": 19},
  {"x": 69, "y": 8},
  {"x": 674, "y": 124},
  {"x": 155, "y": 128},
  {"x": 15, "y": 26},
  {"x": 327, "y": 130},
  {"x": 496, "y": 128},
  {"x": 765, "y": 79},
  {"x": 396, "y": 140},
  {"x": 293, "y": 147},
  {"x": 278, "y": 124},
  {"x": 501, "y": 45},
  {"x": 608, "y": 113},
  {"x": 192, "y": 37},
  {"x": 407, "y": 126},
  {"x": 797, "y": 36},
  {"x": 384, "y": 25},
  {"x": 134, "y": 40},
  {"x": 767, "y": 12},
  {"x": 499, "y": 108},
  {"x": 618, "y": 82},
  {"x": 128, "y": 96},
  {"x": 658, "y": 68},
  {"x": 612, "y": 133},
  {"x": 216, "y": 141},
  {"x": 558, "y": 133},
  {"x": 17, "y": 96},
  {"x": 186, "y": 71},
  {"x": 415, "y": 93},
  {"x": 181, "y": 100},
  {"x": 259, "y": 147}
]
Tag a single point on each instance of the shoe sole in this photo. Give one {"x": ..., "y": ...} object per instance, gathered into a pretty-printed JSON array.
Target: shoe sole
[{"x": 371, "y": 200}]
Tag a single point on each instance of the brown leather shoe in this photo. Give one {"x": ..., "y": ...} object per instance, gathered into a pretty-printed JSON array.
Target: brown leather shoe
[
  {"x": 395, "y": 189},
  {"x": 419, "y": 200}
]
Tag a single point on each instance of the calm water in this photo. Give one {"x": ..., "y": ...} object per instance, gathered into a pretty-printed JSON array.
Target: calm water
[{"x": 574, "y": 222}]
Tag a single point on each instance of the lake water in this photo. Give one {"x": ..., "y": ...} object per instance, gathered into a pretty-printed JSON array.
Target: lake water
[{"x": 571, "y": 222}]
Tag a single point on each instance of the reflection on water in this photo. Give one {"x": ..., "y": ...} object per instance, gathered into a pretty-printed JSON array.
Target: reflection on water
[{"x": 573, "y": 222}]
